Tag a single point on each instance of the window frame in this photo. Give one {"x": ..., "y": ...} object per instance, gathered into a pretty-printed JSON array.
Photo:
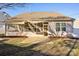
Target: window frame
[{"x": 60, "y": 26}]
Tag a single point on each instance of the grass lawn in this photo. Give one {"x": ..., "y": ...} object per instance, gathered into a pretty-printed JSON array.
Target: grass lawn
[{"x": 39, "y": 45}]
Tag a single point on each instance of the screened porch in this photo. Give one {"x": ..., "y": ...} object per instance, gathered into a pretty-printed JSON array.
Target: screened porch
[{"x": 22, "y": 28}]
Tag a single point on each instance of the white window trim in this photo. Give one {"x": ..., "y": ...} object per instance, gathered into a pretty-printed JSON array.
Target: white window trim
[{"x": 60, "y": 25}]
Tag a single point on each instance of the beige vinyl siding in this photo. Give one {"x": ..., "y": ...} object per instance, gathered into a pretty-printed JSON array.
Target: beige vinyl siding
[{"x": 69, "y": 25}]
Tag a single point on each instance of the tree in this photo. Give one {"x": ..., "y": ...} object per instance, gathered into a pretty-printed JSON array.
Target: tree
[{"x": 11, "y": 5}]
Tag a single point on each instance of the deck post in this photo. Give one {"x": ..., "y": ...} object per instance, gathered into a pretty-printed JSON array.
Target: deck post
[{"x": 5, "y": 28}]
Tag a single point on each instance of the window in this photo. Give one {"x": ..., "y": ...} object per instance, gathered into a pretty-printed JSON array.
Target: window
[
  {"x": 57, "y": 26},
  {"x": 60, "y": 26},
  {"x": 63, "y": 26}
]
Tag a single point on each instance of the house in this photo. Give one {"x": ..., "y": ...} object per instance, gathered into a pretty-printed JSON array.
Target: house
[{"x": 41, "y": 22}]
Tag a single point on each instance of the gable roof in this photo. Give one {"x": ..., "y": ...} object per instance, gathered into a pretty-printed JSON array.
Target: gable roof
[{"x": 40, "y": 16}]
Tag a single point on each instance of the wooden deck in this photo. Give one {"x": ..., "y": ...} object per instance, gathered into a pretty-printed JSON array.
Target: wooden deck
[{"x": 13, "y": 37}]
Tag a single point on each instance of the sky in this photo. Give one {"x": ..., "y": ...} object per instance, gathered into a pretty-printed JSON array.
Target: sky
[{"x": 68, "y": 9}]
